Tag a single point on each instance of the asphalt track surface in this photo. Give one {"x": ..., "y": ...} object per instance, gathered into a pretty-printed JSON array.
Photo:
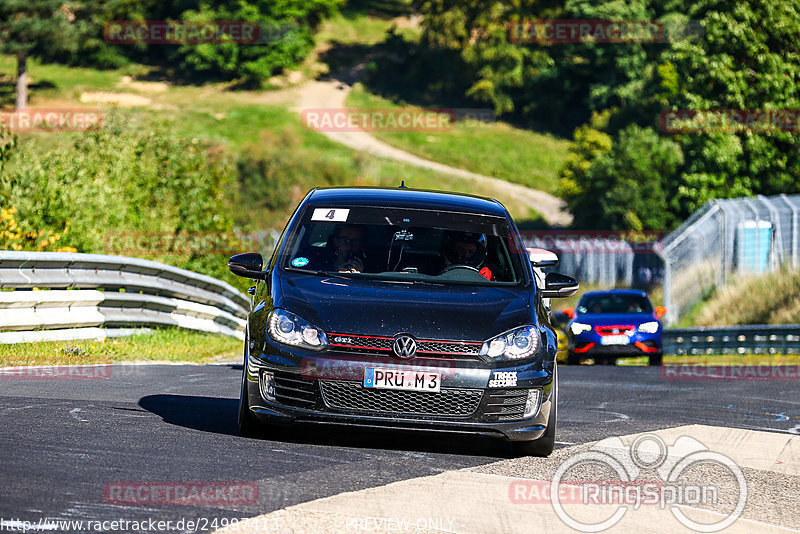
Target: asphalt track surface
[{"x": 64, "y": 441}]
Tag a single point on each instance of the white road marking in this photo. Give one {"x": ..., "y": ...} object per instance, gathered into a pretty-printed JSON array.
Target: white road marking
[{"x": 75, "y": 415}]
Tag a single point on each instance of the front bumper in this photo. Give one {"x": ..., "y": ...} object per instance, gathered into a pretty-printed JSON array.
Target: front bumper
[
  {"x": 326, "y": 388},
  {"x": 591, "y": 344}
]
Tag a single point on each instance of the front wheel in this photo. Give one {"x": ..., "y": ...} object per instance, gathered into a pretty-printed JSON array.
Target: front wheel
[
  {"x": 655, "y": 359},
  {"x": 544, "y": 445},
  {"x": 573, "y": 359},
  {"x": 248, "y": 426}
]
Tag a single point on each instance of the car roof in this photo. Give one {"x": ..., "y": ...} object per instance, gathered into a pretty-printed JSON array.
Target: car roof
[
  {"x": 638, "y": 292},
  {"x": 406, "y": 198}
]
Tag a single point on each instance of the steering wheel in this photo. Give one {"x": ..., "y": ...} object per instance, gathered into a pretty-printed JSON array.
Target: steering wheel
[{"x": 458, "y": 266}]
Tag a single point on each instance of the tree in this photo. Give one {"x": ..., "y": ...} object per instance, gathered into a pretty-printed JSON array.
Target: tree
[
  {"x": 31, "y": 28},
  {"x": 748, "y": 59},
  {"x": 625, "y": 187},
  {"x": 288, "y": 29}
]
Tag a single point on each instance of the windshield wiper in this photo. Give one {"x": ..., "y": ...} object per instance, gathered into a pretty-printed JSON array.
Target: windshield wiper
[{"x": 317, "y": 273}]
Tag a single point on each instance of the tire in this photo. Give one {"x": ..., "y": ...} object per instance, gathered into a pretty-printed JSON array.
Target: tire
[
  {"x": 248, "y": 425},
  {"x": 655, "y": 359},
  {"x": 544, "y": 445},
  {"x": 573, "y": 359}
]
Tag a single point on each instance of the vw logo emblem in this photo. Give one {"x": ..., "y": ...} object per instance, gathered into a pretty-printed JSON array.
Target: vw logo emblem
[{"x": 404, "y": 346}]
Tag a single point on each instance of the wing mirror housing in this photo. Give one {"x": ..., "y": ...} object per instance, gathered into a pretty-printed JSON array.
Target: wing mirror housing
[
  {"x": 540, "y": 257},
  {"x": 557, "y": 285},
  {"x": 661, "y": 311},
  {"x": 248, "y": 265}
]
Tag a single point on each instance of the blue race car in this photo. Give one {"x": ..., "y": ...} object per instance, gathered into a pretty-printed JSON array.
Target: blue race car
[{"x": 615, "y": 323}]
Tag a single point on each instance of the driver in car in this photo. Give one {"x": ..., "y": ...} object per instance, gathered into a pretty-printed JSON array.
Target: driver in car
[
  {"x": 465, "y": 249},
  {"x": 345, "y": 252}
]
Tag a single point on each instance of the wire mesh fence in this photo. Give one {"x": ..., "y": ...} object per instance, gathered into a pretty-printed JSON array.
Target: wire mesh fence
[
  {"x": 604, "y": 258},
  {"x": 752, "y": 235}
]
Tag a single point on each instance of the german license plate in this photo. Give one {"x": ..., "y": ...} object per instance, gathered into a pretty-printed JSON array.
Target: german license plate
[
  {"x": 615, "y": 340},
  {"x": 406, "y": 380}
]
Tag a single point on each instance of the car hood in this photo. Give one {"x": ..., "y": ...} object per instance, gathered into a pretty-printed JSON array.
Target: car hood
[
  {"x": 614, "y": 318},
  {"x": 451, "y": 312}
]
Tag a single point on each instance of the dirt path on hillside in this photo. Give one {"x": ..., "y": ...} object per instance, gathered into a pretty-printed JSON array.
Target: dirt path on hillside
[{"x": 332, "y": 94}]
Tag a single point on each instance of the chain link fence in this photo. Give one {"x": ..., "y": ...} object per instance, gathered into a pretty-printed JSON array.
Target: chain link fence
[
  {"x": 604, "y": 258},
  {"x": 753, "y": 235}
]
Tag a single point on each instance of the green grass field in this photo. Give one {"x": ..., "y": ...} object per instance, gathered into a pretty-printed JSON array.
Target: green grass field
[
  {"x": 491, "y": 148},
  {"x": 167, "y": 345}
]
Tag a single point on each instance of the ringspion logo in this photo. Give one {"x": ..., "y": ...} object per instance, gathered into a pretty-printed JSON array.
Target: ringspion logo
[{"x": 687, "y": 474}]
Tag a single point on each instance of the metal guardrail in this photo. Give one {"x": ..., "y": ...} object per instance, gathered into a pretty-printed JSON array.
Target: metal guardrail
[
  {"x": 85, "y": 291},
  {"x": 740, "y": 339}
]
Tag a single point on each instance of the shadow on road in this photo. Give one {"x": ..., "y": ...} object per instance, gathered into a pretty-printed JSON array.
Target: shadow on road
[
  {"x": 218, "y": 415},
  {"x": 208, "y": 414}
]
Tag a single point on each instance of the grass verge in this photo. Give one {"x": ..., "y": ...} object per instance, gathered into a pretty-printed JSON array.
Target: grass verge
[
  {"x": 490, "y": 148},
  {"x": 170, "y": 344}
]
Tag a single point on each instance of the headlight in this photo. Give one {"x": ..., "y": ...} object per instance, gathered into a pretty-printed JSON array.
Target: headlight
[
  {"x": 577, "y": 328},
  {"x": 519, "y": 343},
  {"x": 649, "y": 328},
  {"x": 289, "y": 329}
]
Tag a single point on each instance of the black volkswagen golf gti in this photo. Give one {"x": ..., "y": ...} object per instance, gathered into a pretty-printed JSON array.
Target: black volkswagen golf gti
[{"x": 401, "y": 308}]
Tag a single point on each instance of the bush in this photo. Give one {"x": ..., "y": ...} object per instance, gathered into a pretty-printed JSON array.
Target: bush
[{"x": 118, "y": 180}]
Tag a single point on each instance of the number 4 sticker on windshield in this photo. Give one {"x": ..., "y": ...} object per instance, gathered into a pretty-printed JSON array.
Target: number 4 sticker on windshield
[{"x": 330, "y": 214}]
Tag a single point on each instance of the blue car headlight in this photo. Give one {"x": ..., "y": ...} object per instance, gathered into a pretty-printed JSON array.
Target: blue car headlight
[
  {"x": 289, "y": 329},
  {"x": 650, "y": 327},
  {"x": 579, "y": 328},
  {"x": 522, "y": 342}
]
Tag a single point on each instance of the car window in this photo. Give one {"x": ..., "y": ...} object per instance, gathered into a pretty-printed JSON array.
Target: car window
[
  {"x": 407, "y": 244},
  {"x": 614, "y": 303}
]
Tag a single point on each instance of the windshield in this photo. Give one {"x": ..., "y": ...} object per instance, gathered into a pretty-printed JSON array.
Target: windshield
[
  {"x": 614, "y": 303},
  {"x": 404, "y": 244}
]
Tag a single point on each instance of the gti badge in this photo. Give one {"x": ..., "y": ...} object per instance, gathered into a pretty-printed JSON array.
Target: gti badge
[{"x": 404, "y": 346}]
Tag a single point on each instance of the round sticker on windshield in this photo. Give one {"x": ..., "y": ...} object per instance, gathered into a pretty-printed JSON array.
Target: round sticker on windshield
[{"x": 299, "y": 262}]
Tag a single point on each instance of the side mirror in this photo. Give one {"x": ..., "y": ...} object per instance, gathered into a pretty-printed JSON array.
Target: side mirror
[
  {"x": 569, "y": 312},
  {"x": 248, "y": 265},
  {"x": 558, "y": 285},
  {"x": 540, "y": 257},
  {"x": 661, "y": 311}
]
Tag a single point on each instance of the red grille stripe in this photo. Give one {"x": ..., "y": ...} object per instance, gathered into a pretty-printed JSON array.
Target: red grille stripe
[{"x": 603, "y": 330}]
